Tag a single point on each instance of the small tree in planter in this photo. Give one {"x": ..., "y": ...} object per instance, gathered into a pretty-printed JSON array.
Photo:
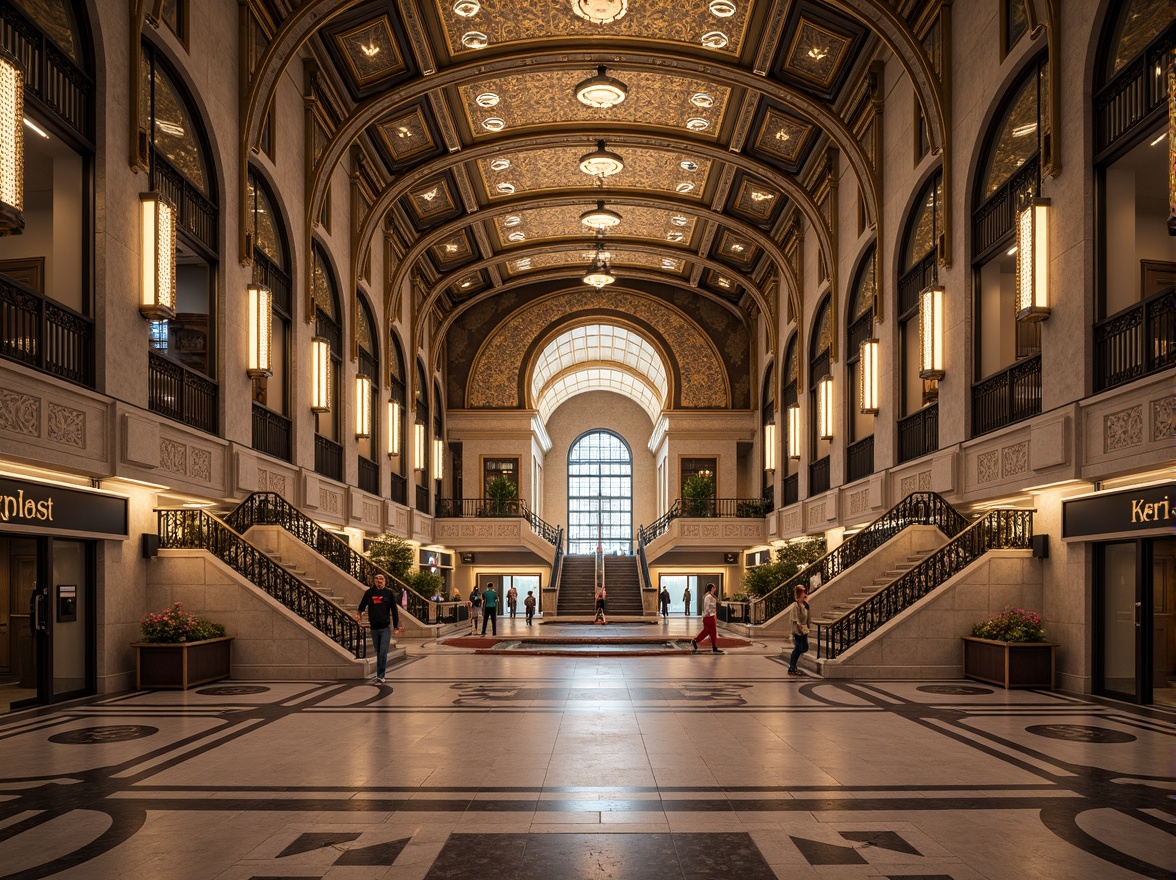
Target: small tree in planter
[
  {"x": 503, "y": 496},
  {"x": 698, "y": 492},
  {"x": 790, "y": 559},
  {"x": 393, "y": 554}
]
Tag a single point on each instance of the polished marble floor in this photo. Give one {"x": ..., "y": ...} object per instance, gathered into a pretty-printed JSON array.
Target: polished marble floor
[{"x": 476, "y": 765}]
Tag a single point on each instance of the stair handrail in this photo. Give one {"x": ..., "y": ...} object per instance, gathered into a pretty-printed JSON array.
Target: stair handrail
[
  {"x": 662, "y": 524},
  {"x": 549, "y": 533},
  {"x": 557, "y": 566},
  {"x": 198, "y": 529},
  {"x": 998, "y": 529},
  {"x": 271, "y": 509},
  {"x": 917, "y": 508},
  {"x": 644, "y": 581}
]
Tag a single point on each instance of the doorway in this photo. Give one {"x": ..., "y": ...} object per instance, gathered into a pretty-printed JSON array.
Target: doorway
[{"x": 1135, "y": 639}]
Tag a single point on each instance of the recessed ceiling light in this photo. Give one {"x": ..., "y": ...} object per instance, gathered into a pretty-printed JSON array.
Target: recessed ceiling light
[
  {"x": 1011, "y": 251},
  {"x": 487, "y": 99},
  {"x": 466, "y": 283},
  {"x": 714, "y": 40},
  {"x": 493, "y": 123},
  {"x": 737, "y": 248},
  {"x": 371, "y": 50},
  {"x": 722, "y": 8},
  {"x": 512, "y": 220},
  {"x": 674, "y": 236},
  {"x": 818, "y": 53},
  {"x": 782, "y": 135},
  {"x": 505, "y": 188},
  {"x": 600, "y": 217},
  {"x": 600, "y": 11},
  {"x": 667, "y": 263},
  {"x": 524, "y": 263},
  {"x": 757, "y": 196},
  {"x": 475, "y": 40},
  {"x": 601, "y": 162},
  {"x": 500, "y": 164},
  {"x": 679, "y": 220},
  {"x": 517, "y": 235},
  {"x": 467, "y": 8},
  {"x": 722, "y": 282},
  {"x": 697, "y": 123},
  {"x": 684, "y": 187},
  {"x": 450, "y": 248},
  {"x": 34, "y": 127},
  {"x": 601, "y": 91},
  {"x": 687, "y": 165},
  {"x": 702, "y": 99}
]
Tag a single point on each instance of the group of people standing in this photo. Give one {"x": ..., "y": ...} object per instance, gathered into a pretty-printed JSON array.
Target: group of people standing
[{"x": 483, "y": 607}]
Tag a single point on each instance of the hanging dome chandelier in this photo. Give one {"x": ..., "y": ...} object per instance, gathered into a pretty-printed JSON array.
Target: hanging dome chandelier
[
  {"x": 601, "y": 162},
  {"x": 599, "y": 275},
  {"x": 600, "y": 218},
  {"x": 601, "y": 91}
]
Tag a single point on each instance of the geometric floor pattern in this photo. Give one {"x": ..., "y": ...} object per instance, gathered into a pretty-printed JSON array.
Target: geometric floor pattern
[{"x": 692, "y": 767}]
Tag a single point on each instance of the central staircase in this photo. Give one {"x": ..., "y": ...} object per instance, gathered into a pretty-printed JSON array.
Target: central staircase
[{"x": 577, "y": 590}]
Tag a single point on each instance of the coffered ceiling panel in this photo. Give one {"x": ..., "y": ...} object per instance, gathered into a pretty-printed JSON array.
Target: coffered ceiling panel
[
  {"x": 556, "y": 168},
  {"x": 563, "y": 221}
]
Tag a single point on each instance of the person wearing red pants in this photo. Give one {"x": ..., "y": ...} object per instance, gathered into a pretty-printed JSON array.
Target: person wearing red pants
[{"x": 710, "y": 611}]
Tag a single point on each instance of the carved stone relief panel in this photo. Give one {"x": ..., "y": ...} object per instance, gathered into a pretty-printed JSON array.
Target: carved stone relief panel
[
  {"x": 1123, "y": 429},
  {"x": 1164, "y": 418},
  {"x": 20, "y": 413},
  {"x": 1015, "y": 459},
  {"x": 67, "y": 426},
  {"x": 988, "y": 466},
  {"x": 173, "y": 456}
]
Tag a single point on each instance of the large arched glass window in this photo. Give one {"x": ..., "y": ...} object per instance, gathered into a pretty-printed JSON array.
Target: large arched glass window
[
  {"x": 328, "y": 448},
  {"x": 600, "y": 494},
  {"x": 182, "y": 365},
  {"x": 271, "y": 268},
  {"x": 399, "y": 420},
  {"x": 1007, "y": 365},
  {"x": 859, "y": 453},
  {"x": 790, "y": 413},
  {"x": 819, "y": 382},
  {"x": 918, "y": 270},
  {"x": 369, "y": 368},
  {"x": 1136, "y": 285}
]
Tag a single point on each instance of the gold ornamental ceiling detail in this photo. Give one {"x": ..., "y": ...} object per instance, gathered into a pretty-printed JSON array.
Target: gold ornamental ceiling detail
[
  {"x": 547, "y": 98},
  {"x": 513, "y": 21},
  {"x": 559, "y": 168},
  {"x": 563, "y": 221},
  {"x": 584, "y": 256}
]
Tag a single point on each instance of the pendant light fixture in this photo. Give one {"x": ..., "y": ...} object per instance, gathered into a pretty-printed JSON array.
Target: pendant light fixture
[
  {"x": 600, "y": 218},
  {"x": 600, "y": 11},
  {"x": 601, "y": 162},
  {"x": 599, "y": 275},
  {"x": 601, "y": 91}
]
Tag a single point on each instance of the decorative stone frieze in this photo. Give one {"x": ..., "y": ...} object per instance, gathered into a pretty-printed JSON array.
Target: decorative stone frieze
[
  {"x": 1164, "y": 418},
  {"x": 1015, "y": 459},
  {"x": 988, "y": 466},
  {"x": 173, "y": 456},
  {"x": 66, "y": 426},
  {"x": 20, "y": 413},
  {"x": 1123, "y": 429}
]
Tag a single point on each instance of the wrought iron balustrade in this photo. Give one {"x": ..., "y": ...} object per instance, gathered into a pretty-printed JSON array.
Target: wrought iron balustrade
[
  {"x": 422, "y": 499},
  {"x": 819, "y": 476},
  {"x": 194, "y": 212},
  {"x": 399, "y": 489},
  {"x": 271, "y": 509},
  {"x": 328, "y": 458},
  {"x": 994, "y": 219},
  {"x": 859, "y": 459},
  {"x": 271, "y": 432},
  {"x": 918, "y": 433},
  {"x": 200, "y": 530},
  {"x": 918, "y": 508},
  {"x": 44, "y": 335},
  {"x": 997, "y": 530},
  {"x": 791, "y": 489},
  {"x": 661, "y": 525},
  {"x": 1010, "y": 396},
  {"x": 915, "y": 280},
  {"x": 369, "y": 476},
  {"x": 1138, "y": 90},
  {"x": 1136, "y": 341},
  {"x": 181, "y": 394}
]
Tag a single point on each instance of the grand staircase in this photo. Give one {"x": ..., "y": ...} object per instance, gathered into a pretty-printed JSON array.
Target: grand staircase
[
  {"x": 865, "y": 591},
  {"x": 623, "y": 586},
  {"x": 577, "y": 590}
]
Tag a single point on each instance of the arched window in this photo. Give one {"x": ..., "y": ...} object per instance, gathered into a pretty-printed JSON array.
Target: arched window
[
  {"x": 769, "y": 433},
  {"x": 399, "y": 422},
  {"x": 790, "y": 411},
  {"x": 600, "y": 494},
  {"x": 271, "y": 267},
  {"x": 328, "y": 448},
  {"x": 859, "y": 453},
  {"x": 918, "y": 270},
  {"x": 1136, "y": 285},
  {"x": 181, "y": 363},
  {"x": 820, "y": 384},
  {"x": 1006, "y": 351},
  {"x": 369, "y": 368}
]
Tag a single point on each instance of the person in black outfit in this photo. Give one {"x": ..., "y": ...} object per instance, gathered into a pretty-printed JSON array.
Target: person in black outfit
[{"x": 380, "y": 604}]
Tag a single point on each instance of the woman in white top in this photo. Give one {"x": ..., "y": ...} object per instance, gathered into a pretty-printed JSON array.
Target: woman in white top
[{"x": 800, "y": 628}]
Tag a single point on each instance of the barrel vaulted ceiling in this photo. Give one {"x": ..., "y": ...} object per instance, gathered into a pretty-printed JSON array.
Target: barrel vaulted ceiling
[{"x": 460, "y": 126}]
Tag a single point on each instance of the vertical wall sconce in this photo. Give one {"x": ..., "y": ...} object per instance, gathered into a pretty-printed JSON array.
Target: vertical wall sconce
[
  {"x": 770, "y": 447},
  {"x": 794, "y": 431},
  {"x": 158, "y": 273},
  {"x": 393, "y": 428},
  {"x": 11, "y": 147},
  {"x": 363, "y": 407},
  {"x": 1172, "y": 145},
  {"x": 1033, "y": 261},
  {"x": 868, "y": 376},
  {"x": 825, "y": 408},
  {"x": 261, "y": 311},
  {"x": 438, "y": 459},
  {"x": 931, "y": 333},
  {"x": 320, "y": 374},
  {"x": 418, "y": 451}
]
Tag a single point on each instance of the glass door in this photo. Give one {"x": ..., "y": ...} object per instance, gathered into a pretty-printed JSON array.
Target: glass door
[
  {"x": 1119, "y": 615},
  {"x": 1163, "y": 628}
]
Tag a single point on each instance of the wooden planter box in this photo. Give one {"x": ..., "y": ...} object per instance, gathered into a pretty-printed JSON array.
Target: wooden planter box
[
  {"x": 182, "y": 665},
  {"x": 1009, "y": 664}
]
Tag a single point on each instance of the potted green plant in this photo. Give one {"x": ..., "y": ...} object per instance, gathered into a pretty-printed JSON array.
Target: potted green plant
[
  {"x": 698, "y": 492},
  {"x": 503, "y": 496},
  {"x": 179, "y": 650},
  {"x": 1010, "y": 649}
]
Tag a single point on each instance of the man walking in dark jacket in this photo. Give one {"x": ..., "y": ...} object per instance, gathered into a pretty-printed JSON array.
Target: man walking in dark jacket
[{"x": 380, "y": 604}]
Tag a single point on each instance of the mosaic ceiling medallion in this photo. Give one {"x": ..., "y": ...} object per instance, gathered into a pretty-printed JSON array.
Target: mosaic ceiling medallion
[
  {"x": 816, "y": 53},
  {"x": 406, "y": 135},
  {"x": 600, "y": 11},
  {"x": 782, "y": 136},
  {"x": 452, "y": 251},
  {"x": 370, "y": 51},
  {"x": 756, "y": 200},
  {"x": 736, "y": 248},
  {"x": 432, "y": 199},
  {"x": 467, "y": 284}
]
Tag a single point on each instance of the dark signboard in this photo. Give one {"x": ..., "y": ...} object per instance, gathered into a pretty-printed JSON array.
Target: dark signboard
[
  {"x": 41, "y": 507},
  {"x": 1111, "y": 513}
]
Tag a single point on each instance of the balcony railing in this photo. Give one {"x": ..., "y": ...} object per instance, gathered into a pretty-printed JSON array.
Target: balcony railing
[
  {"x": 994, "y": 219},
  {"x": 181, "y": 394},
  {"x": 1010, "y": 396},
  {"x": 271, "y": 432},
  {"x": 195, "y": 213},
  {"x": 819, "y": 476},
  {"x": 399, "y": 489},
  {"x": 1139, "y": 89},
  {"x": 791, "y": 489},
  {"x": 918, "y": 433},
  {"x": 915, "y": 280},
  {"x": 328, "y": 458},
  {"x": 1135, "y": 342},
  {"x": 422, "y": 499},
  {"x": 369, "y": 476},
  {"x": 459, "y": 508},
  {"x": 859, "y": 459},
  {"x": 705, "y": 508},
  {"x": 42, "y": 334}
]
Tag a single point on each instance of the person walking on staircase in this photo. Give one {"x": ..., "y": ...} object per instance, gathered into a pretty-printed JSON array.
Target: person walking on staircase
[
  {"x": 383, "y": 613},
  {"x": 710, "y": 614},
  {"x": 800, "y": 628},
  {"x": 490, "y": 609}
]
